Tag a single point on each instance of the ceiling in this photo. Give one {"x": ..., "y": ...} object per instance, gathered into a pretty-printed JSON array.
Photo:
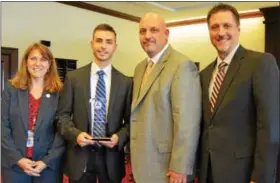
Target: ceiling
[{"x": 174, "y": 11}]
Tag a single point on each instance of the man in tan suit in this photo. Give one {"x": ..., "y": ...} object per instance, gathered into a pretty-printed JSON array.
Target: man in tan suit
[{"x": 166, "y": 109}]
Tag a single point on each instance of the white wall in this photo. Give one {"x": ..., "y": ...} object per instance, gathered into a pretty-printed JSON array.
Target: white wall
[
  {"x": 194, "y": 41},
  {"x": 69, "y": 29}
]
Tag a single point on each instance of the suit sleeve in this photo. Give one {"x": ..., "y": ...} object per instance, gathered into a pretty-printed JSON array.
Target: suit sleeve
[
  {"x": 55, "y": 152},
  {"x": 8, "y": 147},
  {"x": 123, "y": 134},
  {"x": 66, "y": 127},
  {"x": 186, "y": 112},
  {"x": 266, "y": 97}
]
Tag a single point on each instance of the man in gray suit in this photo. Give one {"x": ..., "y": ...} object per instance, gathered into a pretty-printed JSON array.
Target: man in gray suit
[
  {"x": 240, "y": 95},
  {"x": 166, "y": 109}
]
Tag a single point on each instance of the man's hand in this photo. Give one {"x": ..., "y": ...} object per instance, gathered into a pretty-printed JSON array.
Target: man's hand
[
  {"x": 252, "y": 182},
  {"x": 84, "y": 139},
  {"x": 114, "y": 141},
  {"x": 176, "y": 177},
  {"x": 27, "y": 166},
  {"x": 40, "y": 166}
]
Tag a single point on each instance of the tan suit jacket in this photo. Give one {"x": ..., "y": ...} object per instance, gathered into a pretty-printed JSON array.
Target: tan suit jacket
[{"x": 165, "y": 118}]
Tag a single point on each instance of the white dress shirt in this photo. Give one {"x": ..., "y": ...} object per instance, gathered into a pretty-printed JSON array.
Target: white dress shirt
[{"x": 219, "y": 60}]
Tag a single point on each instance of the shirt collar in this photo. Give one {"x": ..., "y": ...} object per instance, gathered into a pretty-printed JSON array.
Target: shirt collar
[
  {"x": 156, "y": 58},
  {"x": 95, "y": 68},
  {"x": 229, "y": 57}
]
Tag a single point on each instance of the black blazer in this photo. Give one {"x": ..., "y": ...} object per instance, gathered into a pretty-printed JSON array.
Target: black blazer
[
  {"x": 277, "y": 173},
  {"x": 48, "y": 145},
  {"x": 74, "y": 116},
  {"x": 241, "y": 136}
]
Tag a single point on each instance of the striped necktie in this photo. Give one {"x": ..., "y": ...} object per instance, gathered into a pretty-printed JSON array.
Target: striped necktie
[
  {"x": 147, "y": 72},
  {"x": 217, "y": 84},
  {"x": 99, "y": 128}
]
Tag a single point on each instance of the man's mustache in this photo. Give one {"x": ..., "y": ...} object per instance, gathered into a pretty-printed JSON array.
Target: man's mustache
[{"x": 223, "y": 38}]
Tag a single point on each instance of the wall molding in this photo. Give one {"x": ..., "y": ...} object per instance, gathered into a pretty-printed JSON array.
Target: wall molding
[
  {"x": 125, "y": 16},
  {"x": 204, "y": 20},
  {"x": 102, "y": 10}
]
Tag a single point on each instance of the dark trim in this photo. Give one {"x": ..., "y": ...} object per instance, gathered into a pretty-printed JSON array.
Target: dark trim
[
  {"x": 13, "y": 53},
  {"x": 186, "y": 22},
  {"x": 272, "y": 29},
  {"x": 102, "y": 10},
  {"x": 203, "y": 20}
]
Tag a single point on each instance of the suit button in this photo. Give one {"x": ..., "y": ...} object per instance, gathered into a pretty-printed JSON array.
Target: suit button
[
  {"x": 210, "y": 127},
  {"x": 209, "y": 150}
]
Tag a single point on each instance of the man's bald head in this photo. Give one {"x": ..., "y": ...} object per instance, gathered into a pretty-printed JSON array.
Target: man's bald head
[
  {"x": 153, "y": 33},
  {"x": 153, "y": 17}
]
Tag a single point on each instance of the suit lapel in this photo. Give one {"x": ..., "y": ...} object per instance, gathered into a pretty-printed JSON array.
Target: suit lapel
[
  {"x": 152, "y": 77},
  {"x": 232, "y": 71},
  {"x": 207, "y": 77},
  {"x": 86, "y": 86},
  {"x": 46, "y": 101},
  {"x": 23, "y": 105},
  {"x": 139, "y": 77},
  {"x": 115, "y": 83}
]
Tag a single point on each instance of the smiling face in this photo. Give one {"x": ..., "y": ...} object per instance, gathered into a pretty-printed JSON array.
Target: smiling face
[
  {"x": 224, "y": 32},
  {"x": 37, "y": 65},
  {"x": 153, "y": 34},
  {"x": 103, "y": 45}
]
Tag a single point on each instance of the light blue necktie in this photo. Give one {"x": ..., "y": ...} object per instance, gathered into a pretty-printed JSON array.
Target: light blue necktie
[{"x": 99, "y": 128}]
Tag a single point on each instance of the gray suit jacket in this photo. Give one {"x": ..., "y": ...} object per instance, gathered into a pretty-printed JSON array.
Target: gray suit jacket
[
  {"x": 48, "y": 145},
  {"x": 241, "y": 136},
  {"x": 165, "y": 118}
]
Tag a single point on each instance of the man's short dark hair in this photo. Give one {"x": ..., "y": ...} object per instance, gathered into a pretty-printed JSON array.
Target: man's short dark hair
[
  {"x": 104, "y": 27},
  {"x": 224, "y": 7}
]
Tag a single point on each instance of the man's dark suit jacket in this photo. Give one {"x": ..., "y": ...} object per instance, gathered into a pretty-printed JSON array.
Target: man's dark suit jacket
[
  {"x": 48, "y": 145},
  {"x": 241, "y": 136},
  {"x": 74, "y": 117},
  {"x": 278, "y": 168}
]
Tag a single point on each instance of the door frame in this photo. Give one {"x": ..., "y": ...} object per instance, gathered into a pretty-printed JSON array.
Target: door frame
[{"x": 13, "y": 53}]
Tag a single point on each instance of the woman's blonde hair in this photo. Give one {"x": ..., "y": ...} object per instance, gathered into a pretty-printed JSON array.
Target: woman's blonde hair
[{"x": 22, "y": 78}]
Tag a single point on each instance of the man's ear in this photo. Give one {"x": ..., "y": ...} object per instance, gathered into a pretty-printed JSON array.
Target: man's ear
[
  {"x": 116, "y": 47},
  {"x": 91, "y": 43},
  {"x": 167, "y": 32}
]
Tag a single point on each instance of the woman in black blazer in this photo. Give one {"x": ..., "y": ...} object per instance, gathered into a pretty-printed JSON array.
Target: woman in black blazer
[{"x": 31, "y": 148}]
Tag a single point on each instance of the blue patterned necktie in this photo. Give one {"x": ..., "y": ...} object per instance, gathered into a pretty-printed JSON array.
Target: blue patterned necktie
[{"x": 99, "y": 128}]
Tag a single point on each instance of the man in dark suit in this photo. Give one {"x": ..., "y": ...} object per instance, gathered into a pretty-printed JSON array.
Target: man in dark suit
[
  {"x": 240, "y": 134},
  {"x": 96, "y": 102}
]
